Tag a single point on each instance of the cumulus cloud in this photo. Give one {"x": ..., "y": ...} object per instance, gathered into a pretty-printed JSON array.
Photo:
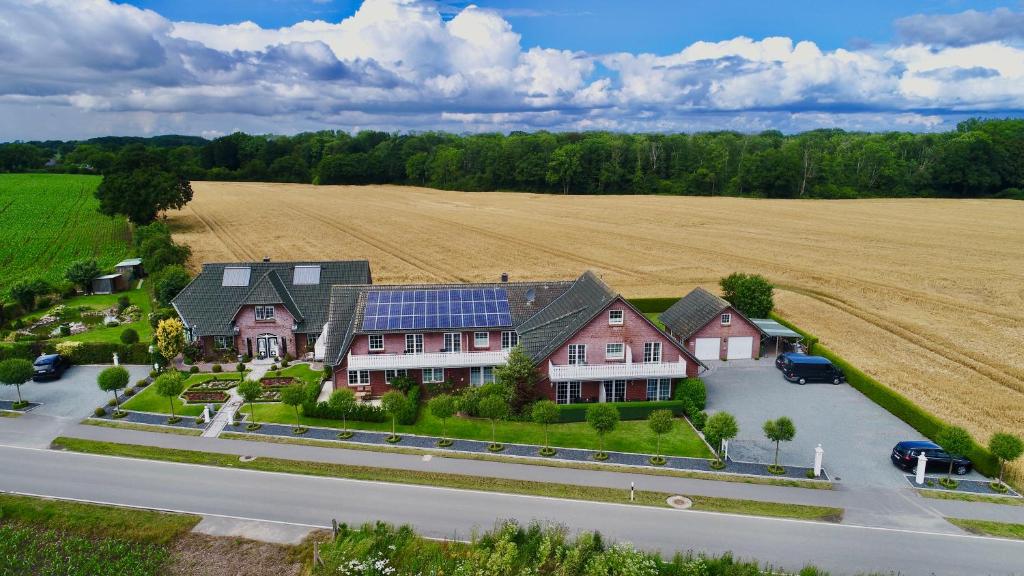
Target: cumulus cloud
[
  {"x": 71, "y": 68},
  {"x": 963, "y": 29}
]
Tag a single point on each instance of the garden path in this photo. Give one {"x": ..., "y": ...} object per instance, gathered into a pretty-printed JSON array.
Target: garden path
[{"x": 258, "y": 369}]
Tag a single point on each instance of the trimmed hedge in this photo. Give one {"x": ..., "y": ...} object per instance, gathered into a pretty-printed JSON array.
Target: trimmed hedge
[
  {"x": 651, "y": 305},
  {"x": 894, "y": 402},
  {"x": 23, "y": 350},
  {"x": 627, "y": 410},
  {"x": 103, "y": 353}
]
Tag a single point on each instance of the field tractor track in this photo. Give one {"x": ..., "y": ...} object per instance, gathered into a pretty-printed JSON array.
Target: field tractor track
[{"x": 233, "y": 246}]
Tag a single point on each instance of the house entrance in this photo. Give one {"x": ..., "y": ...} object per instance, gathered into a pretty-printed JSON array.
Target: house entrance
[{"x": 267, "y": 345}]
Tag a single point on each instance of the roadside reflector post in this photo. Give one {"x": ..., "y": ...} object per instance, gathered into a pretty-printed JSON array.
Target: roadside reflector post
[
  {"x": 818, "y": 453},
  {"x": 632, "y": 488},
  {"x": 922, "y": 463}
]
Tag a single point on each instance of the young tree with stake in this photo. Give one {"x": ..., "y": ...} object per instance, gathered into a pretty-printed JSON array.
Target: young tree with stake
[
  {"x": 393, "y": 403},
  {"x": 493, "y": 408},
  {"x": 293, "y": 396},
  {"x": 1007, "y": 448},
  {"x": 721, "y": 426},
  {"x": 660, "y": 422},
  {"x": 343, "y": 401},
  {"x": 15, "y": 372},
  {"x": 250, "y": 391},
  {"x": 111, "y": 380},
  {"x": 603, "y": 418},
  {"x": 780, "y": 430},
  {"x": 546, "y": 413},
  {"x": 442, "y": 407},
  {"x": 170, "y": 385}
]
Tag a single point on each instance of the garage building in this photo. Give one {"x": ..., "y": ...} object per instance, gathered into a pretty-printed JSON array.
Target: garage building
[{"x": 711, "y": 328}]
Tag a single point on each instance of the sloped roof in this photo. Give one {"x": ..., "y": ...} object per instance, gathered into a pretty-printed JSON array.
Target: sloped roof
[
  {"x": 129, "y": 262},
  {"x": 693, "y": 311},
  {"x": 209, "y": 308},
  {"x": 545, "y": 331}
]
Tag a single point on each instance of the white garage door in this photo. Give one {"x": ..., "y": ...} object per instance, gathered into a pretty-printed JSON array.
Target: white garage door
[
  {"x": 708, "y": 348},
  {"x": 740, "y": 347}
]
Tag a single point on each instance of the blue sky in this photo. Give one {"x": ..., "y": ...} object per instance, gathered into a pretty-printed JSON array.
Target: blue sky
[{"x": 78, "y": 68}]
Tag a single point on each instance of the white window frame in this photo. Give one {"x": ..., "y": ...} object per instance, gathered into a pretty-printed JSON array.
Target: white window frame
[
  {"x": 358, "y": 377},
  {"x": 375, "y": 338},
  {"x": 726, "y": 319},
  {"x": 390, "y": 375},
  {"x": 662, "y": 388},
  {"x": 453, "y": 338},
  {"x": 433, "y": 372},
  {"x": 477, "y": 339},
  {"x": 610, "y": 355},
  {"x": 222, "y": 342},
  {"x": 613, "y": 389},
  {"x": 264, "y": 312},
  {"x": 416, "y": 346},
  {"x": 616, "y": 317},
  {"x": 480, "y": 375},
  {"x": 569, "y": 388},
  {"x": 509, "y": 339},
  {"x": 577, "y": 354},
  {"x": 652, "y": 352}
]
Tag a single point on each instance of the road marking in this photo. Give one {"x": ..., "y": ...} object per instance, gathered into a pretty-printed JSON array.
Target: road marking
[{"x": 509, "y": 495}]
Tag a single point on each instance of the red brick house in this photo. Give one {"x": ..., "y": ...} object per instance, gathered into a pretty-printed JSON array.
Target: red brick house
[
  {"x": 710, "y": 328},
  {"x": 263, "y": 309},
  {"x": 587, "y": 342}
]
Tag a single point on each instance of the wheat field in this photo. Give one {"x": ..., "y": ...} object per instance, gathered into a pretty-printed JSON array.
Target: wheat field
[{"x": 925, "y": 295}]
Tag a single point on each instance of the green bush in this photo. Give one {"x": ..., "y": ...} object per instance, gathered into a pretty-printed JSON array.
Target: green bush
[
  {"x": 412, "y": 409},
  {"x": 129, "y": 336},
  {"x": 897, "y": 404},
  {"x": 23, "y": 350},
  {"x": 99, "y": 412},
  {"x": 216, "y": 368},
  {"x": 123, "y": 302},
  {"x": 699, "y": 419},
  {"x": 652, "y": 305},
  {"x": 627, "y": 410},
  {"x": 103, "y": 353},
  {"x": 193, "y": 370},
  {"x": 692, "y": 390}
]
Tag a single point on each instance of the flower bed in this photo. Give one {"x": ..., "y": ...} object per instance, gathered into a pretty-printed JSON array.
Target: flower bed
[
  {"x": 269, "y": 396},
  {"x": 272, "y": 383},
  {"x": 214, "y": 386},
  {"x": 199, "y": 397}
]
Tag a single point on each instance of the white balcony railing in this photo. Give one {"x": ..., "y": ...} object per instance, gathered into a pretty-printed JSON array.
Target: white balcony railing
[
  {"x": 426, "y": 360},
  {"x": 619, "y": 371}
]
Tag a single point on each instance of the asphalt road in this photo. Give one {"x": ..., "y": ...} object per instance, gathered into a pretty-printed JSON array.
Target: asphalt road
[{"x": 448, "y": 513}]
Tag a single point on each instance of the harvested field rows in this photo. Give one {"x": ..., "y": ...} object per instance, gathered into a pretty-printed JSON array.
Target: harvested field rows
[{"x": 925, "y": 295}]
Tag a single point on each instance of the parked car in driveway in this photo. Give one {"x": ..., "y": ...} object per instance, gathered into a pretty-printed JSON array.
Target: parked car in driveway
[
  {"x": 803, "y": 369},
  {"x": 780, "y": 360},
  {"x": 905, "y": 456},
  {"x": 49, "y": 367}
]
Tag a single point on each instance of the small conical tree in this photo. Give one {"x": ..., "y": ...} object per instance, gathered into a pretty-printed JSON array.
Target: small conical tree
[
  {"x": 443, "y": 407},
  {"x": 113, "y": 379},
  {"x": 15, "y": 372},
  {"x": 780, "y": 430},
  {"x": 546, "y": 413},
  {"x": 343, "y": 400},
  {"x": 1007, "y": 448},
  {"x": 603, "y": 418}
]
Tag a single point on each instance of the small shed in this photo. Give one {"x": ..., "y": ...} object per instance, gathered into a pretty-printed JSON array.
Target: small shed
[
  {"x": 130, "y": 268},
  {"x": 109, "y": 283},
  {"x": 776, "y": 336}
]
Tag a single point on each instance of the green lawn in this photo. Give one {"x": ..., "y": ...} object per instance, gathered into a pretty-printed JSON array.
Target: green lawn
[
  {"x": 194, "y": 379},
  {"x": 653, "y": 317},
  {"x": 630, "y": 436},
  {"x": 301, "y": 371},
  {"x": 149, "y": 401},
  {"x": 99, "y": 332},
  {"x": 989, "y": 528}
]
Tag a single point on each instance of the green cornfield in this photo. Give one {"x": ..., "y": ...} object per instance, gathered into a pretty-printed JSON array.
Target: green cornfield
[
  {"x": 25, "y": 550},
  {"x": 48, "y": 221}
]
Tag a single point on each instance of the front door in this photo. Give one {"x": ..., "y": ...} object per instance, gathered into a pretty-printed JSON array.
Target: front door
[
  {"x": 272, "y": 344},
  {"x": 267, "y": 346},
  {"x": 614, "y": 390}
]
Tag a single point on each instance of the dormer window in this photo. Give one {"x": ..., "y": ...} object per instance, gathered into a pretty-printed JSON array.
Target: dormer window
[
  {"x": 615, "y": 318},
  {"x": 264, "y": 312},
  {"x": 726, "y": 319}
]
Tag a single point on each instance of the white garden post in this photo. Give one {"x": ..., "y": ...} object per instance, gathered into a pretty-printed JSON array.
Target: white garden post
[
  {"x": 922, "y": 463},
  {"x": 115, "y": 359},
  {"x": 818, "y": 453},
  {"x": 206, "y": 413},
  {"x": 725, "y": 450}
]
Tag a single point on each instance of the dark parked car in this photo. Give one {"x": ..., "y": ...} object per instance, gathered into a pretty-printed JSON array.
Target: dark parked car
[
  {"x": 905, "y": 455},
  {"x": 49, "y": 367},
  {"x": 780, "y": 360},
  {"x": 803, "y": 369}
]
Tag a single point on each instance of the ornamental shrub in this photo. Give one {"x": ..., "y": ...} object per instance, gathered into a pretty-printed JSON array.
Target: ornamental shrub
[
  {"x": 693, "y": 389},
  {"x": 129, "y": 336},
  {"x": 216, "y": 368}
]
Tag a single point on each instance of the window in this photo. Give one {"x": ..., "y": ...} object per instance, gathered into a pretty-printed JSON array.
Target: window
[
  {"x": 414, "y": 343},
  {"x": 614, "y": 351},
  {"x": 659, "y": 389},
  {"x": 433, "y": 375},
  {"x": 264, "y": 312},
  {"x": 652, "y": 351},
  {"x": 726, "y": 319},
  {"x": 509, "y": 339},
  {"x": 390, "y": 375},
  {"x": 577, "y": 353},
  {"x": 481, "y": 339},
  {"x": 479, "y": 375},
  {"x": 615, "y": 317},
  {"x": 358, "y": 377},
  {"x": 567, "y": 392},
  {"x": 222, "y": 342},
  {"x": 376, "y": 342},
  {"x": 452, "y": 342},
  {"x": 614, "y": 390}
]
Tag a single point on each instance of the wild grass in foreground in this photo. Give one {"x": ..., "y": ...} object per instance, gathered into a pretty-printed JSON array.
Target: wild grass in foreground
[
  {"x": 989, "y": 528},
  {"x": 379, "y": 549},
  {"x": 460, "y": 481}
]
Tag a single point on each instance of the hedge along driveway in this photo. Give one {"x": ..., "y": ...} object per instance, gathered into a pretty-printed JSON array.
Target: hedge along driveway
[{"x": 630, "y": 436}]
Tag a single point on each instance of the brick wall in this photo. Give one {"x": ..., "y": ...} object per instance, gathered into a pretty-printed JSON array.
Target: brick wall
[
  {"x": 281, "y": 326},
  {"x": 738, "y": 326}
]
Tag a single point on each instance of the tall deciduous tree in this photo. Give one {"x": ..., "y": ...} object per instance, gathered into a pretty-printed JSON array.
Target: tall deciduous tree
[
  {"x": 81, "y": 274},
  {"x": 751, "y": 294},
  {"x": 519, "y": 375}
]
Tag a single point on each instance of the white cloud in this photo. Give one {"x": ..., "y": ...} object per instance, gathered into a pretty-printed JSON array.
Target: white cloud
[
  {"x": 81, "y": 67},
  {"x": 962, "y": 29}
]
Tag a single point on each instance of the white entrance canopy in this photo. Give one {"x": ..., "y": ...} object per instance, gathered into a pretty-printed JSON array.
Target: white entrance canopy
[{"x": 773, "y": 329}]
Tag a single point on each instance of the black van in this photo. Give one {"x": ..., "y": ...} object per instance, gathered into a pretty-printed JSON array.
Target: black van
[{"x": 804, "y": 369}]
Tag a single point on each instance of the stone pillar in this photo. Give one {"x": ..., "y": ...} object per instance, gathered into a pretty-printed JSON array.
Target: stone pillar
[
  {"x": 818, "y": 453},
  {"x": 115, "y": 359},
  {"x": 922, "y": 463}
]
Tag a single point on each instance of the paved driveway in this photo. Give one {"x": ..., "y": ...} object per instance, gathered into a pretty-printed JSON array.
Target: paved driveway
[
  {"x": 856, "y": 434},
  {"x": 75, "y": 395}
]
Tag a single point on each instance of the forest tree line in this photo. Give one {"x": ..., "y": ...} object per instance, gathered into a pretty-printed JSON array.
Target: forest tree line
[{"x": 980, "y": 158}]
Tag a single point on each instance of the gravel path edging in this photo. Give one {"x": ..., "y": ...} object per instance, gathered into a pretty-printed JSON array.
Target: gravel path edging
[
  {"x": 9, "y": 406},
  {"x": 963, "y": 486}
]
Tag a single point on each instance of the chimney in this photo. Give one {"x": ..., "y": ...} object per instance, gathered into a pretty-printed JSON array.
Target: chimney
[
  {"x": 504, "y": 277},
  {"x": 266, "y": 258}
]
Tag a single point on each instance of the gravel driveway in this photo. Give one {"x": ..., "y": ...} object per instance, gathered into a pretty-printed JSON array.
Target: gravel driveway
[
  {"x": 75, "y": 395},
  {"x": 856, "y": 434}
]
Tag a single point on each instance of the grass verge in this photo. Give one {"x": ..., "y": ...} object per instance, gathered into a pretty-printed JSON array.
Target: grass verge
[
  {"x": 723, "y": 476},
  {"x": 142, "y": 427},
  {"x": 461, "y": 481},
  {"x": 9, "y": 414},
  {"x": 989, "y": 528},
  {"x": 968, "y": 497}
]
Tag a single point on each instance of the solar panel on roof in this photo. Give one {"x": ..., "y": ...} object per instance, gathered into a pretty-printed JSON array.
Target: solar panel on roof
[
  {"x": 306, "y": 275},
  {"x": 433, "y": 309},
  {"x": 235, "y": 276}
]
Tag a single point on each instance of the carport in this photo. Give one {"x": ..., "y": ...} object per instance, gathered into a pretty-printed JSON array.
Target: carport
[{"x": 776, "y": 336}]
